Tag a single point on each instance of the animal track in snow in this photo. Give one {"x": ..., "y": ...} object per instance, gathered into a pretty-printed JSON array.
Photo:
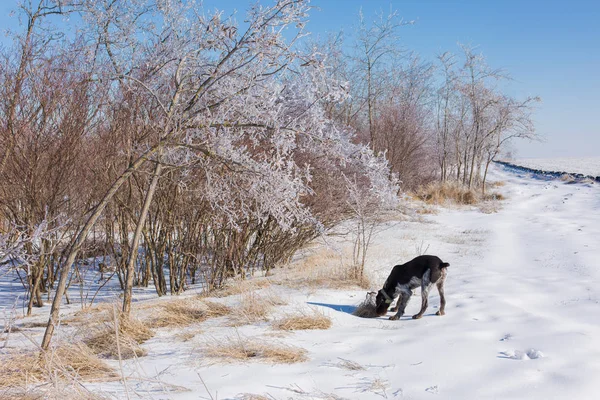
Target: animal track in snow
[
  {"x": 530, "y": 354},
  {"x": 506, "y": 337},
  {"x": 433, "y": 389}
]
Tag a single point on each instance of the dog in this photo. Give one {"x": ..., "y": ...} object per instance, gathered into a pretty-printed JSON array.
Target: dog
[{"x": 424, "y": 271}]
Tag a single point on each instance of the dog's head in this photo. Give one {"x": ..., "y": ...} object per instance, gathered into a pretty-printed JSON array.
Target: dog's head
[{"x": 382, "y": 303}]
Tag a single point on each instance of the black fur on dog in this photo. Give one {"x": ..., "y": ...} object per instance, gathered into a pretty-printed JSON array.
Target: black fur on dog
[{"x": 424, "y": 271}]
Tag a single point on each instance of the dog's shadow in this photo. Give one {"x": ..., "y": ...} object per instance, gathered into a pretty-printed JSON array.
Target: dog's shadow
[
  {"x": 350, "y": 309},
  {"x": 337, "y": 307}
]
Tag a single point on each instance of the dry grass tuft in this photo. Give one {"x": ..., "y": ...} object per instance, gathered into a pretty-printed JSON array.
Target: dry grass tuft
[
  {"x": 135, "y": 329},
  {"x": 186, "y": 336},
  {"x": 252, "y": 308},
  {"x": 56, "y": 392},
  {"x": 245, "y": 349},
  {"x": 239, "y": 286},
  {"x": 252, "y": 396},
  {"x": 102, "y": 339},
  {"x": 496, "y": 184},
  {"x": 99, "y": 313},
  {"x": 303, "y": 321},
  {"x": 568, "y": 178},
  {"x": 324, "y": 269},
  {"x": 587, "y": 181},
  {"x": 67, "y": 362},
  {"x": 30, "y": 324},
  {"x": 366, "y": 309},
  {"x": 493, "y": 196},
  {"x": 426, "y": 210},
  {"x": 188, "y": 311},
  {"x": 215, "y": 310},
  {"x": 349, "y": 365},
  {"x": 454, "y": 192},
  {"x": 440, "y": 193},
  {"x": 273, "y": 298}
]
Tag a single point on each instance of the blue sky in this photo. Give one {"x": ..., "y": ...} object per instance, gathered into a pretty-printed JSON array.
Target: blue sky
[{"x": 550, "y": 48}]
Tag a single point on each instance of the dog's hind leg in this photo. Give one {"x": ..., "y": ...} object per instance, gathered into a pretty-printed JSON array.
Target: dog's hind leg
[{"x": 440, "y": 288}]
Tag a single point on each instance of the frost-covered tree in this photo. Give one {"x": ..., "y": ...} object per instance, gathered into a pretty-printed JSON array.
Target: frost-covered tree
[{"x": 199, "y": 107}]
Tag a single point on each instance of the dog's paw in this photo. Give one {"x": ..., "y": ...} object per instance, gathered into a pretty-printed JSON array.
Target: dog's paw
[
  {"x": 440, "y": 313},
  {"x": 417, "y": 316},
  {"x": 394, "y": 318}
]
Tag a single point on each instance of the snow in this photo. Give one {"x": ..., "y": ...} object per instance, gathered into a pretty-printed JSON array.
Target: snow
[
  {"x": 522, "y": 317},
  {"x": 587, "y": 166}
]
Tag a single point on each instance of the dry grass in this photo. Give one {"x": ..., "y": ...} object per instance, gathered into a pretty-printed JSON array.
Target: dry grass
[
  {"x": 453, "y": 192},
  {"x": 30, "y": 324},
  {"x": 324, "y": 269},
  {"x": 246, "y": 349},
  {"x": 252, "y": 308},
  {"x": 69, "y": 362},
  {"x": 496, "y": 184},
  {"x": 587, "y": 181},
  {"x": 187, "y": 311},
  {"x": 102, "y": 338},
  {"x": 303, "y": 321},
  {"x": 187, "y": 336},
  {"x": 239, "y": 286},
  {"x": 91, "y": 315},
  {"x": 366, "y": 309},
  {"x": 568, "y": 178},
  {"x": 426, "y": 211},
  {"x": 251, "y": 396},
  {"x": 349, "y": 365},
  {"x": 493, "y": 196},
  {"x": 440, "y": 193},
  {"x": 56, "y": 392},
  {"x": 489, "y": 207},
  {"x": 378, "y": 385}
]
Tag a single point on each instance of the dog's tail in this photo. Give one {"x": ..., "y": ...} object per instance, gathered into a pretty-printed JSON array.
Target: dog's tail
[{"x": 444, "y": 265}]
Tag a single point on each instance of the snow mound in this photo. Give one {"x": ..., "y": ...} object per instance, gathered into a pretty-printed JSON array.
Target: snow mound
[{"x": 530, "y": 354}]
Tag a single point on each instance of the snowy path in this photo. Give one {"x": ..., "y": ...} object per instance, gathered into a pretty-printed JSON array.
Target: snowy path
[
  {"x": 537, "y": 283},
  {"x": 523, "y": 314}
]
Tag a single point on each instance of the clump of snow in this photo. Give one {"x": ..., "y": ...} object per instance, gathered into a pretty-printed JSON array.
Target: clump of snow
[
  {"x": 533, "y": 354},
  {"x": 530, "y": 354}
]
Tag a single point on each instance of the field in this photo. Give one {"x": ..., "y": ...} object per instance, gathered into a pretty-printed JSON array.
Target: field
[
  {"x": 585, "y": 166},
  {"x": 522, "y": 319}
]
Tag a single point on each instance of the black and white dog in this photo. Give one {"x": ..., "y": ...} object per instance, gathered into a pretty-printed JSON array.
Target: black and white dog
[{"x": 424, "y": 271}]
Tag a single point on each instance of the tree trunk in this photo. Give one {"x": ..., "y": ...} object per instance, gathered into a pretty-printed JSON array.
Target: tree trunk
[
  {"x": 80, "y": 239},
  {"x": 487, "y": 165},
  {"x": 136, "y": 239}
]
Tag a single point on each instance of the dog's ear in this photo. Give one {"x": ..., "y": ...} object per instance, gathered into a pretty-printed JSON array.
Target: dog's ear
[{"x": 371, "y": 294}]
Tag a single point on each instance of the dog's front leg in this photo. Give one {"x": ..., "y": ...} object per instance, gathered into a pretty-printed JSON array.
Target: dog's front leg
[
  {"x": 424, "y": 302},
  {"x": 403, "y": 299},
  {"x": 395, "y": 308}
]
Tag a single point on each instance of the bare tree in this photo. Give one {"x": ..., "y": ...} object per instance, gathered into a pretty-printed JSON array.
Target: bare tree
[
  {"x": 376, "y": 47},
  {"x": 476, "y": 116}
]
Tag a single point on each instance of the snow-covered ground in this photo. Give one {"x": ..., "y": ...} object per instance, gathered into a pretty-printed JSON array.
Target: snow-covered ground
[
  {"x": 522, "y": 319},
  {"x": 587, "y": 166}
]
